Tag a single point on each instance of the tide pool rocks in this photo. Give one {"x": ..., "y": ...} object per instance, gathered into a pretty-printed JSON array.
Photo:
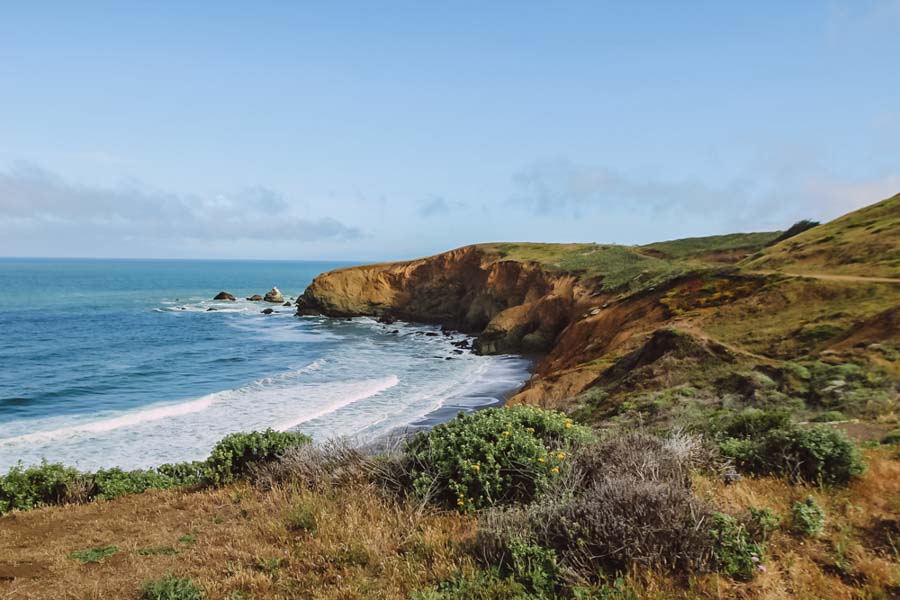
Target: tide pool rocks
[{"x": 274, "y": 295}]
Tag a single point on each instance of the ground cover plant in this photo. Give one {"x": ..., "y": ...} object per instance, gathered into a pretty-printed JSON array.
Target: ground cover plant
[{"x": 25, "y": 488}]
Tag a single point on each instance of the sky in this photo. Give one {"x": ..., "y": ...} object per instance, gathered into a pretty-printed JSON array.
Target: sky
[{"x": 388, "y": 130}]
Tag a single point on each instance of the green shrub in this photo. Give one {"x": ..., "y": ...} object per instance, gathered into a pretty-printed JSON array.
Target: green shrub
[
  {"x": 763, "y": 522},
  {"x": 112, "y": 483},
  {"x": 52, "y": 483},
  {"x": 753, "y": 422},
  {"x": 26, "y": 488},
  {"x": 302, "y": 519},
  {"x": 736, "y": 554},
  {"x": 171, "y": 587},
  {"x": 494, "y": 456},
  {"x": 818, "y": 454},
  {"x": 829, "y": 416},
  {"x": 534, "y": 566},
  {"x": 94, "y": 555},
  {"x": 233, "y": 456},
  {"x": 809, "y": 517}
]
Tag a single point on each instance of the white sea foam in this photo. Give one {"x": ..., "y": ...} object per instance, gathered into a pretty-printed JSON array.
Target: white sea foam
[
  {"x": 353, "y": 392},
  {"x": 125, "y": 420}
]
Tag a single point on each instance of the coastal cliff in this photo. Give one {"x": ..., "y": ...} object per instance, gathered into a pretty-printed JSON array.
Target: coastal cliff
[{"x": 691, "y": 314}]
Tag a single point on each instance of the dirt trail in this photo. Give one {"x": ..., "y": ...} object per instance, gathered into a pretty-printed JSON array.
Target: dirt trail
[{"x": 831, "y": 277}]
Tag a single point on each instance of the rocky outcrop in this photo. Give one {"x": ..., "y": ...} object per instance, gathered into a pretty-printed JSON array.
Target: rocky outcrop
[
  {"x": 511, "y": 306},
  {"x": 255, "y": 298},
  {"x": 274, "y": 296},
  {"x": 224, "y": 296}
]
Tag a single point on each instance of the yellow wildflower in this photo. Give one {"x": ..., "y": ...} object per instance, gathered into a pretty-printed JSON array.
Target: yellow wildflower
[
  {"x": 476, "y": 467},
  {"x": 530, "y": 429},
  {"x": 460, "y": 502},
  {"x": 561, "y": 455},
  {"x": 540, "y": 459},
  {"x": 505, "y": 433},
  {"x": 554, "y": 470},
  {"x": 568, "y": 424}
]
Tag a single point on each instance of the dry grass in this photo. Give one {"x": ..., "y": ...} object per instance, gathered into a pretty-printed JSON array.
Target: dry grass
[{"x": 363, "y": 545}]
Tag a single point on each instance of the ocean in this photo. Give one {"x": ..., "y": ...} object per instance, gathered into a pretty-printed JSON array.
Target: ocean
[{"x": 120, "y": 363}]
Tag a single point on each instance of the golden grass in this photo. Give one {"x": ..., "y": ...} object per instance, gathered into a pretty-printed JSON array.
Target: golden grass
[
  {"x": 355, "y": 543},
  {"x": 363, "y": 546}
]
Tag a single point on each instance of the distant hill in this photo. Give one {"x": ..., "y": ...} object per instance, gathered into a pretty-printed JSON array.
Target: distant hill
[{"x": 865, "y": 242}]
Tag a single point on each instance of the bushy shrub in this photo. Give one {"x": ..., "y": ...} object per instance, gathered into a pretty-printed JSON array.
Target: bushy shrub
[
  {"x": 52, "y": 483},
  {"x": 171, "y": 587},
  {"x": 753, "y": 422},
  {"x": 809, "y": 517},
  {"x": 494, "y": 456},
  {"x": 765, "y": 443},
  {"x": 26, "y": 488},
  {"x": 234, "y": 454},
  {"x": 112, "y": 483},
  {"x": 763, "y": 522},
  {"x": 736, "y": 554},
  {"x": 623, "y": 502}
]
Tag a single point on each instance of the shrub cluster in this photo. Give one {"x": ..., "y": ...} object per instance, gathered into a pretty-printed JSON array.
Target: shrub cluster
[
  {"x": 171, "y": 587},
  {"x": 493, "y": 457},
  {"x": 737, "y": 554},
  {"x": 624, "y": 502},
  {"x": 24, "y": 488},
  {"x": 809, "y": 517},
  {"x": 768, "y": 443}
]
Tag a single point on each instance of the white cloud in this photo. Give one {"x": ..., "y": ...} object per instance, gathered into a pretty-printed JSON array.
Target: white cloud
[{"x": 51, "y": 208}]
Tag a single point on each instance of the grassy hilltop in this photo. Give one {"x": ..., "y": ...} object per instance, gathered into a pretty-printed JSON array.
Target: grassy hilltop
[{"x": 718, "y": 419}]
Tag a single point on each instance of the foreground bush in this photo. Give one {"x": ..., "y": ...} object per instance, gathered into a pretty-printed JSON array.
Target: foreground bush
[
  {"x": 737, "y": 555},
  {"x": 235, "y": 454},
  {"x": 495, "y": 456},
  {"x": 809, "y": 517},
  {"x": 764, "y": 443},
  {"x": 623, "y": 503},
  {"x": 52, "y": 483}
]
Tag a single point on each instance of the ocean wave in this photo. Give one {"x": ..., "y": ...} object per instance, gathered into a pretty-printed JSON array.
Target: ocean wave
[
  {"x": 126, "y": 420},
  {"x": 353, "y": 392}
]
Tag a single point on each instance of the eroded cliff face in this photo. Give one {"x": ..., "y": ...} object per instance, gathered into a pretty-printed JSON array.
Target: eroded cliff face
[{"x": 512, "y": 307}]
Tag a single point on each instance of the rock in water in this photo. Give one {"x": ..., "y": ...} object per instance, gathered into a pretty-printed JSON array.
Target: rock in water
[
  {"x": 274, "y": 295},
  {"x": 286, "y": 304},
  {"x": 224, "y": 296},
  {"x": 268, "y": 311},
  {"x": 255, "y": 298}
]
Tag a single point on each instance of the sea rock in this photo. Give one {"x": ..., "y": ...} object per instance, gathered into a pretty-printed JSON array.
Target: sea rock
[
  {"x": 464, "y": 344},
  {"x": 431, "y": 334},
  {"x": 210, "y": 310},
  {"x": 274, "y": 295},
  {"x": 387, "y": 319},
  {"x": 224, "y": 296},
  {"x": 267, "y": 311},
  {"x": 286, "y": 304},
  {"x": 255, "y": 298}
]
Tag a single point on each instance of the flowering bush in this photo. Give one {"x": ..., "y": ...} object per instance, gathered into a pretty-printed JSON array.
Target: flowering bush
[{"x": 495, "y": 456}]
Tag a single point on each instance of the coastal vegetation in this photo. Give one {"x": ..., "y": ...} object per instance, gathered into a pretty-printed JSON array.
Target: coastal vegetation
[{"x": 710, "y": 418}]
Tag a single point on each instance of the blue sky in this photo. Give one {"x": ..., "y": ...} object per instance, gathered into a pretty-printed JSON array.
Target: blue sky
[{"x": 367, "y": 131}]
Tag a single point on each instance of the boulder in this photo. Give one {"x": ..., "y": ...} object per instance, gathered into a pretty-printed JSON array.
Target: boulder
[
  {"x": 274, "y": 295},
  {"x": 286, "y": 304},
  {"x": 255, "y": 298},
  {"x": 224, "y": 296},
  {"x": 267, "y": 311},
  {"x": 210, "y": 310}
]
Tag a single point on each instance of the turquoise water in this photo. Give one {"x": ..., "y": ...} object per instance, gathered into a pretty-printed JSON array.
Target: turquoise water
[{"x": 119, "y": 362}]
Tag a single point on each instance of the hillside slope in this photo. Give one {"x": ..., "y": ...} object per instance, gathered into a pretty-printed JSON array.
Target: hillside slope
[
  {"x": 865, "y": 242},
  {"x": 699, "y": 332}
]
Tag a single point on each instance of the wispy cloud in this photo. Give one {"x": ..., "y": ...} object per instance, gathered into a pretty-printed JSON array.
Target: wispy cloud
[
  {"x": 45, "y": 204},
  {"x": 772, "y": 197},
  {"x": 437, "y": 205}
]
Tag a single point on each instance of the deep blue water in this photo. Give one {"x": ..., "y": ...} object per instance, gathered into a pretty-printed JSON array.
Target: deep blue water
[{"x": 119, "y": 362}]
